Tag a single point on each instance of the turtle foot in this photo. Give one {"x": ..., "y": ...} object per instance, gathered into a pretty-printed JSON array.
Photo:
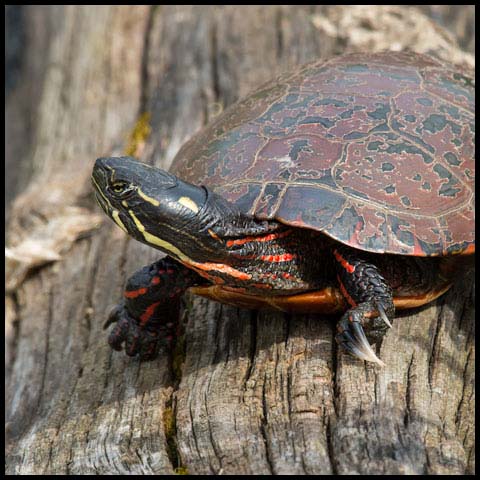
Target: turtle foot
[{"x": 138, "y": 340}]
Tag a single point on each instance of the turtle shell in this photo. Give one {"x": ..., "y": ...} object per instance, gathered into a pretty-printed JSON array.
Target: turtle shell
[{"x": 374, "y": 150}]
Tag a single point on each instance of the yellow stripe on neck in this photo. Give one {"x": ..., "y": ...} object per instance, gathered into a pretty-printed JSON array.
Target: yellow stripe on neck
[
  {"x": 153, "y": 240},
  {"x": 201, "y": 268}
]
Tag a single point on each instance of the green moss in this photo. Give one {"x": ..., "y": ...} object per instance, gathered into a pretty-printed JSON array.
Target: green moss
[
  {"x": 169, "y": 419},
  {"x": 139, "y": 135},
  {"x": 169, "y": 426},
  {"x": 169, "y": 423},
  {"x": 181, "y": 471}
]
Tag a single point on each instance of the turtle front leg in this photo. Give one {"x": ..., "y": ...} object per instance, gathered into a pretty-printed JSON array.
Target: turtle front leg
[
  {"x": 146, "y": 316},
  {"x": 371, "y": 299}
]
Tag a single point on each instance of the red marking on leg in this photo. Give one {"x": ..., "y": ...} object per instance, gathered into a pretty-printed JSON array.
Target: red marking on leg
[
  {"x": 135, "y": 293},
  {"x": 147, "y": 314},
  {"x": 347, "y": 266},
  {"x": 349, "y": 299}
]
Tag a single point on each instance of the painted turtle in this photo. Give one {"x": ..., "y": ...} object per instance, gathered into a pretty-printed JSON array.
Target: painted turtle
[{"x": 344, "y": 186}]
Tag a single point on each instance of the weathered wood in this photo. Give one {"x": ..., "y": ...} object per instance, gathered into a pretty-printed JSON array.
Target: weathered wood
[{"x": 242, "y": 392}]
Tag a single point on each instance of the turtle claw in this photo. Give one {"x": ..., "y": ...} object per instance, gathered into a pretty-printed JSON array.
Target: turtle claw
[
  {"x": 351, "y": 348},
  {"x": 352, "y": 338},
  {"x": 383, "y": 315},
  {"x": 363, "y": 345},
  {"x": 113, "y": 315}
]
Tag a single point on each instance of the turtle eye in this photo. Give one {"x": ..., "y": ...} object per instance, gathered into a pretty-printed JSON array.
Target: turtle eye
[{"x": 120, "y": 187}]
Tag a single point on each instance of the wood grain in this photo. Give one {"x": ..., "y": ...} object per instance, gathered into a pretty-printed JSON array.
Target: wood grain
[{"x": 242, "y": 392}]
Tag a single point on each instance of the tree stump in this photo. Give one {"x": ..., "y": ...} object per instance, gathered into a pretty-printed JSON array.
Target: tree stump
[{"x": 241, "y": 392}]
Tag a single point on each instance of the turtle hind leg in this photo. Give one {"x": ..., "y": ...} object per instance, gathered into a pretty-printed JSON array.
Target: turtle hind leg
[{"x": 371, "y": 299}]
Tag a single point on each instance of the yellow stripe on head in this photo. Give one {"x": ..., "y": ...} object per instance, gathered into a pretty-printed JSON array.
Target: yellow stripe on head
[
  {"x": 148, "y": 199},
  {"x": 189, "y": 203},
  {"x": 100, "y": 191},
  {"x": 118, "y": 221},
  {"x": 153, "y": 240}
]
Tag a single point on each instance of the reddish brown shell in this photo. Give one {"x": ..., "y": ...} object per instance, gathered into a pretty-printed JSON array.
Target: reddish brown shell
[{"x": 374, "y": 150}]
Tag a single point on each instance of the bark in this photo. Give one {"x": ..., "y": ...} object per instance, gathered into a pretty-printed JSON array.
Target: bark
[{"x": 242, "y": 392}]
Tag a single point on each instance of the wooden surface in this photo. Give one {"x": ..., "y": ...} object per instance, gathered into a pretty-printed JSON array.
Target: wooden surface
[{"x": 243, "y": 391}]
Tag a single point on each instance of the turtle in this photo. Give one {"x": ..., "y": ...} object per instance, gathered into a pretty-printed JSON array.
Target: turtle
[{"x": 344, "y": 187}]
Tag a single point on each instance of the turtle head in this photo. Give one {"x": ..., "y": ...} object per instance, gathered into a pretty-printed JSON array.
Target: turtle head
[{"x": 152, "y": 205}]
